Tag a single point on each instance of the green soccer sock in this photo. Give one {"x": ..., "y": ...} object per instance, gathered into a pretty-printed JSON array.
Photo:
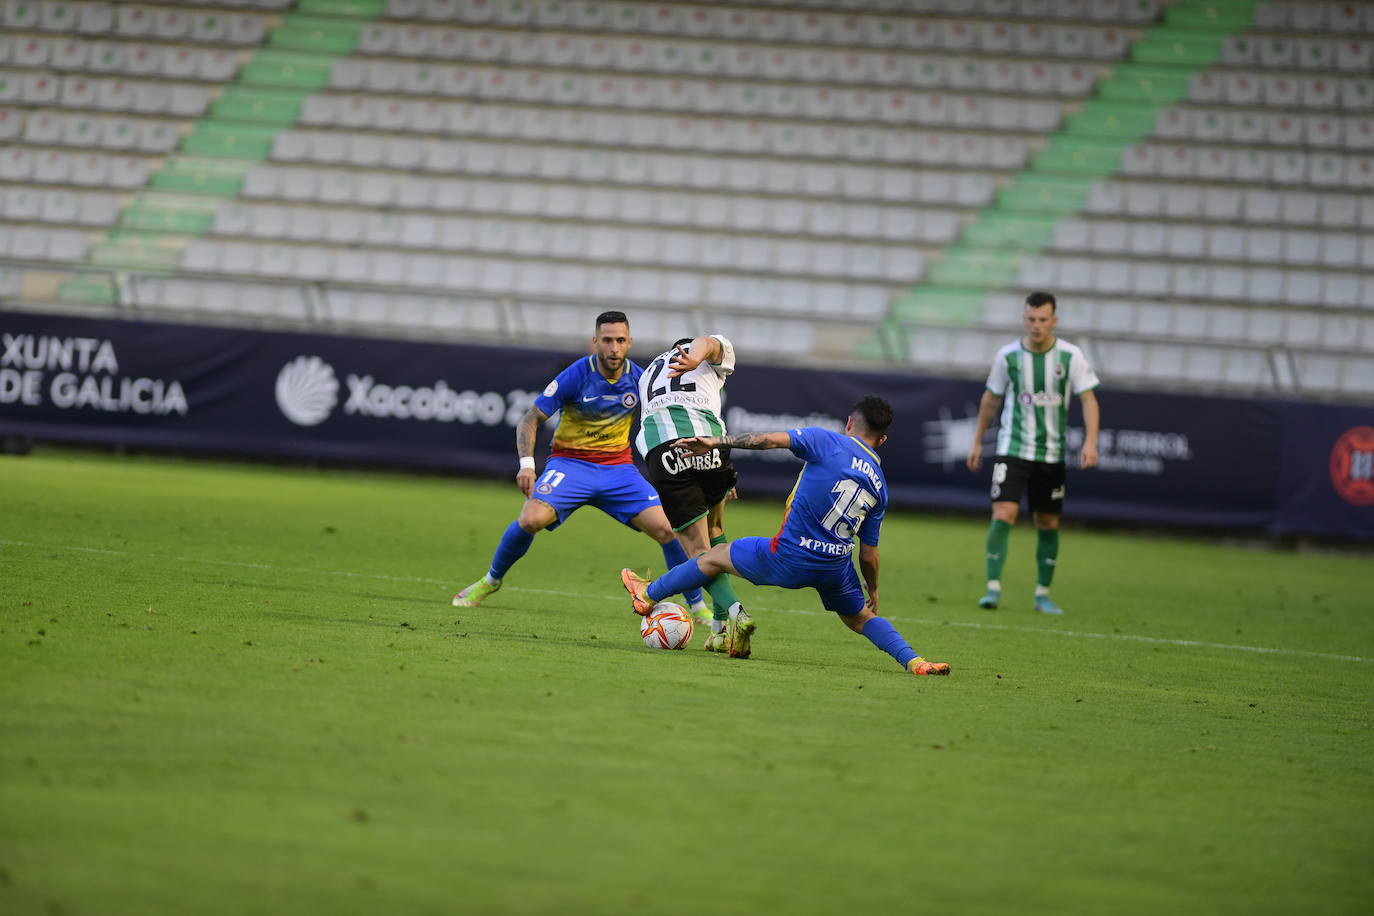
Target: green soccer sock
[
  {"x": 721, "y": 590},
  {"x": 998, "y": 534},
  {"x": 1046, "y": 556}
]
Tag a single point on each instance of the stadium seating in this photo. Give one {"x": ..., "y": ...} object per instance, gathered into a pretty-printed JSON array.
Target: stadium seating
[{"x": 863, "y": 178}]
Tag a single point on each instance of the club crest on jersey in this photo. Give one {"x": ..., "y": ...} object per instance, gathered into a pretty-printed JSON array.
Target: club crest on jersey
[
  {"x": 629, "y": 399},
  {"x": 1059, "y": 370}
]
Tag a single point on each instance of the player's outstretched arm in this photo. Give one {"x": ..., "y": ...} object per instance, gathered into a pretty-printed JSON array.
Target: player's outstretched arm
[
  {"x": 698, "y": 351},
  {"x": 987, "y": 409},
  {"x": 700, "y": 445},
  {"x": 868, "y": 566},
  {"x": 526, "y": 431}
]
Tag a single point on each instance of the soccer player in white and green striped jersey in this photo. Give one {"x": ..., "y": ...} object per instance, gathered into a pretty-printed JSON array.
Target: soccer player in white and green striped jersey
[
  {"x": 679, "y": 398},
  {"x": 1031, "y": 383}
]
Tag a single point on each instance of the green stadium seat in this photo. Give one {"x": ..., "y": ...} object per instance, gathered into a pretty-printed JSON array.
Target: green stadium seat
[
  {"x": 1100, "y": 118},
  {"x": 241, "y": 141},
  {"x": 94, "y": 289},
  {"x": 287, "y": 68},
  {"x": 358, "y": 9},
  {"x": 943, "y": 304},
  {"x": 1046, "y": 193},
  {"x": 309, "y": 33},
  {"x": 1140, "y": 83},
  {"x": 1018, "y": 230},
  {"x": 201, "y": 176},
  {"x": 253, "y": 104}
]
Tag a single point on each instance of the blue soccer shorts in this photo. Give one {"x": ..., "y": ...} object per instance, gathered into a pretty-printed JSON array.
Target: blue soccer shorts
[
  {"x": 834, "y": 579},
  {"x": 619, "y": 490}
]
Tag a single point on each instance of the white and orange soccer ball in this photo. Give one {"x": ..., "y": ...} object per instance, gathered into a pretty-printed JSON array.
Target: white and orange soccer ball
[{"x": 668, "y": 626}]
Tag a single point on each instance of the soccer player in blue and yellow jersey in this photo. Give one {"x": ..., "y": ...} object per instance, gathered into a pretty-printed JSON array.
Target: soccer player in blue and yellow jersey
[
  {"x": 589, "y": 462},
  {"x": 841, "y": 493}
]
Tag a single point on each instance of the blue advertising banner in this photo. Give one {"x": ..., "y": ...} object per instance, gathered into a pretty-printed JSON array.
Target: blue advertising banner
[
  {"x": 1166, "y": 459},
  {"x": 1326, "y": 471},
  {"x": 1162, "y": 459}
]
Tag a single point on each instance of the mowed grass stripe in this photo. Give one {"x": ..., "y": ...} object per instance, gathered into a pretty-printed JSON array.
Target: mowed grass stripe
[{"x": 618, "y": 599}]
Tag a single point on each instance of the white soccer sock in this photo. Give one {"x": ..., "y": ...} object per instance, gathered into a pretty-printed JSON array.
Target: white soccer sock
[
  {"x": 994, "y": 585},
  {"x": 735, "y": 609},
  {"x": 1042, "y": 591},
  {"x": 717, "y": 626},
  {"x": 490, "y": 581}
]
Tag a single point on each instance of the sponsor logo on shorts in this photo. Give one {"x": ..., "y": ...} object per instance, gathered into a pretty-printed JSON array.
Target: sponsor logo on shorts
[
  {"x": 1057, "y": 493},
  {"x": 1352, "y": 466},
  {"x": 675, "y": 462}
]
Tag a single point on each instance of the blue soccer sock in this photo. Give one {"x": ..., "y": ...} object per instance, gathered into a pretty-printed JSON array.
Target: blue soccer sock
[
  {"x": 684, "y": 576},
  {"x": 515, "y": 542},
  {"x": 885, "y": 636},
  {"x": 674, "y": 556}
]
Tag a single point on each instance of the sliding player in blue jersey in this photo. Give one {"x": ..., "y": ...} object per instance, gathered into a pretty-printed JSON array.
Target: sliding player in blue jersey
[
  {"x": 841, "y": 492},
  {"x": 589, "y": 461}
]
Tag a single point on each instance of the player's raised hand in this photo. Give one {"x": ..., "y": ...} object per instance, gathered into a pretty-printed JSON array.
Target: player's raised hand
[
  {"x": 525, "y": 481},
  {"x": 975, "y": 456},
  {"x": 683, "y": 361},
  {"x": 694, "y": 445}
]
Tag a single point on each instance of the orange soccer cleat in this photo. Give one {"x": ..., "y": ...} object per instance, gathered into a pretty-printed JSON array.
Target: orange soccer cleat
[
  {"x": 636, "y": 586},
  {"x": 920, "y": 666}
]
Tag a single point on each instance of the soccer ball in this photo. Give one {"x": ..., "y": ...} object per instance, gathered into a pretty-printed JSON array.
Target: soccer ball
[{"x": 668, "y": 626}]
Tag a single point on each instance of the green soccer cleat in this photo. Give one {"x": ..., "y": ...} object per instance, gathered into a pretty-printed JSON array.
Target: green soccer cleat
[
  {"x": 989, "y": 601},
  {"x": 717, "y": 642},
  {"x": 1044, "y": 605},
  {"x": 475, "y": 593},
  {"x": 739, "y": 631}
]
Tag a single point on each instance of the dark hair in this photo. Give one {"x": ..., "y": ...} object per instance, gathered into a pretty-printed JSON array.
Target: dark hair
[
  {"x": 611, "y": 318},
  {"x": 875, "y": 413},
  {"x": 682, "y": 342},
  {"x": 1037, "y": 299}
]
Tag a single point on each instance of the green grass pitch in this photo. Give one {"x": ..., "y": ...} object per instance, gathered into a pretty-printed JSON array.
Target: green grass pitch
[{"x": 233, "y": 689}]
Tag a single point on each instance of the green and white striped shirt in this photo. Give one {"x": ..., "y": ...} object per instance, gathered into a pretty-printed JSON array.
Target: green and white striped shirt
[
  {"x": 1036, "y": 388},
  {"x": 689, "y": 405}
]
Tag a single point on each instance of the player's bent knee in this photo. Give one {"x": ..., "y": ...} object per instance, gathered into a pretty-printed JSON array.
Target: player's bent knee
[
  {"x": 536, "y": 516},
  {"x": 856, "y": 622},
  {"x": 716, "y": 561}
]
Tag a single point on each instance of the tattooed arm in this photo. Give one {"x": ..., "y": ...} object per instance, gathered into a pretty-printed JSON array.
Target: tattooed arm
[
  {"x": 700, "y": 445},
  {"x": 525, "y": 433}
]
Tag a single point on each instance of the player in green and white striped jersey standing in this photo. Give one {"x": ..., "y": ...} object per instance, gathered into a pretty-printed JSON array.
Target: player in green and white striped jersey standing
[
  {"x": 1031, "y": 383},
  {"x": 679, "y": 397}
]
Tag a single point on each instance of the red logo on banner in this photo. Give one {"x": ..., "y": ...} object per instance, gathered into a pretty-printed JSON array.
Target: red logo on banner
[{"x": 1352, "y": 466}]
